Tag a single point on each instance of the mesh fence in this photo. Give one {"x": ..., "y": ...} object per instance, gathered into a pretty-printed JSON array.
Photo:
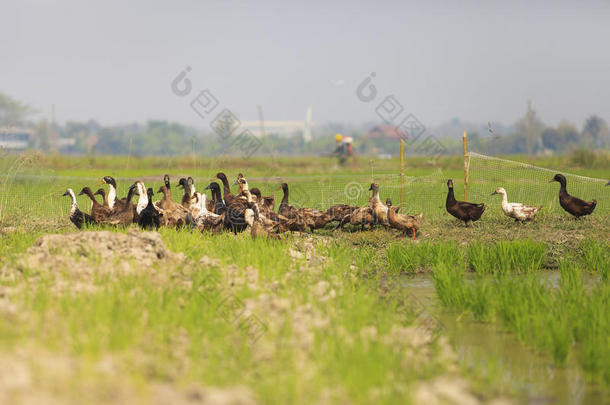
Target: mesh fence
[
  {"x": 529, "y": 184},
  {"x": 38, "y": 195}
]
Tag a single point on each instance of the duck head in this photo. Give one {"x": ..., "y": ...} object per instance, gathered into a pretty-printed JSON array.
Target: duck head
[
  {"x": 559, "y": 178},
  {"x": 388, "y": 202},
  {"x": 222, "y": 177},
  {"x": 213, "y": 186},
  {"x": 182, "y": 183},
  {"x": 100, "y": 191},
  {"x": 166, "y": 180},
  {"x": 150, "y": 193},
  {"x": 139, "y": 186},
  {"x": 499, "y": 190},
  {"x": 243, "y": 184},
  {"x": 191, "y": 183},
  {"x": 269, "y": 202},
  {"x": 108, "y": 180},
  {"x": 450, "y": 183},
  {"x": 70, "y": 193},
  {"x": 85, "y": 190},
  {"x": 284, "y": 187},
  {"x": 257, "y": 193},
  {"x": 374, "y": 187}
]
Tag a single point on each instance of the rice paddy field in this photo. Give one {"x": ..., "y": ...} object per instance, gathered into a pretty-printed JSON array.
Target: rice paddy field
[{"x": 498, "y": 312}]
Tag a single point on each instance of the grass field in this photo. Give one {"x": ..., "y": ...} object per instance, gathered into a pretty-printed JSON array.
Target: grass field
[{"x": 181, "y": 317}]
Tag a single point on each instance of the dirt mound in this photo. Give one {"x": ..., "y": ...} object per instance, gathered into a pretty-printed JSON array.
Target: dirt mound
[
  {"x": 144, "y": 247},
  {"x": 78, "y": 256}
]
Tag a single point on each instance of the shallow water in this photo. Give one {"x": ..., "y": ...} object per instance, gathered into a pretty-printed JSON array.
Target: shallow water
[{"x": 488, "y": 348}]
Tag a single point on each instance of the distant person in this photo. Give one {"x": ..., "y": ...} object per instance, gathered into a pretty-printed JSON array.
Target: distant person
[{"x": 344, "y": 148}]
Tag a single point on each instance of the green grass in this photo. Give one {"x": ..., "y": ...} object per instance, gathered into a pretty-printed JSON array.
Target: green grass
[
  {"x": 570, "y": 318},
  {"x": 171, "y": 329},
  {"x": 411, "y": 258},
  {"x": 507, "y": 256}
]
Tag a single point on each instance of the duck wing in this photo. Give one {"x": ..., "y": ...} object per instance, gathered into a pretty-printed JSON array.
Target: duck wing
[{"x": 472, "y": 210}]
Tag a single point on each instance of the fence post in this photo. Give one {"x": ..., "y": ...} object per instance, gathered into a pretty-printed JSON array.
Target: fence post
[
  {"x": 465, "y": 167},
  {"x": 402, "y": 172}
]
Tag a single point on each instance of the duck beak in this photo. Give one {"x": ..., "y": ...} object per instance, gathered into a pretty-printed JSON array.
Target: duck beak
[
  {"x": 208, "y": 187},
  {"x": 608, "y": 184},
  {"x": 236, "y": 183},
  {"x": 81, "y": 193},
  {"x": 552, "y": 180},
  {"x": 101, "y": 182},
  {"x": 65, "y": 194},
  {"x": 495, "y": 192}
]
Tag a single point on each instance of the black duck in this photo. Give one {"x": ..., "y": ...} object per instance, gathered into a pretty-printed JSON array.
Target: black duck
[
  {"x": 464, "y": 211},
  {"x": 571, "y": 204}
]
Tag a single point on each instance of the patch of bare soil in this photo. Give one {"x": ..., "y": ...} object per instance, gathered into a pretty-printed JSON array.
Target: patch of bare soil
[
  {"x": 30, "y": 376},
  {"x": 73, "y": 261},
  {"x": 103, "y": 247}
]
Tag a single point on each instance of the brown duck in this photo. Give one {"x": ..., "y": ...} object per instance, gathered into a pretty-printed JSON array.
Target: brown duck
[
  {"x": 404, "y": 222},
  {"x": 339, "y": 211},
  {"x": 102, "y": 192},
  {"x": 187, "y": 185},
  {"x": 98, "y": 211},
  {"x": 228, "y": 196},
  {"x": 174, "y": 214},
  {"x": 571, "y": 204},
  {"x": 464, "y": 211},
  {"x": 127, "y": 214},
  {"x": 360, "y": 216}
]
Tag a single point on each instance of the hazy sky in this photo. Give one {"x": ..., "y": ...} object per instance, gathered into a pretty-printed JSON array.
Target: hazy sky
[{"x": 114, "y": 61}]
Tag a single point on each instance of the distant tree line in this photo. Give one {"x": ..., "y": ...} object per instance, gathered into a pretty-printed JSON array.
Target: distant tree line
[{"x": 529, "y": 135}]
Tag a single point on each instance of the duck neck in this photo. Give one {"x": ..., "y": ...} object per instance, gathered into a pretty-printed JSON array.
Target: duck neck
[
  {"x": 285, "y": 198},
  {"x": 225, "y": 185},
  {"x": 111, "y": 196},
  {"x": 450, "y": 196},
  {"x": 391, "y": 213},
  {"x": 143, "y": 198},
  {"x": 248, "y": 195},
  {"x": 203, "y": 199},
  {"x": 92, "y": 197},
  {"x": 74, "y": 206},
  {"x": 129, "y": 198},
  {"x": 105, "y": 200},
  {"x": 504, "y": 201},
  {"x": 376, "y": 196},
  {"x": 562, "y": 188}
]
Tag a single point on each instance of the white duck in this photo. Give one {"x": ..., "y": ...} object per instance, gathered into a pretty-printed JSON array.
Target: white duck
[
  {"x": 142, "y": 196},
  {"x": 201, "y": 217},
  {"x": 520, "y": 212}
]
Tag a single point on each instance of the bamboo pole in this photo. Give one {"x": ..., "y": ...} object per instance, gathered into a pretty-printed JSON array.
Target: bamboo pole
[
  {"x": 465, "y": 167},
  {"x": 402, "y": 172}
]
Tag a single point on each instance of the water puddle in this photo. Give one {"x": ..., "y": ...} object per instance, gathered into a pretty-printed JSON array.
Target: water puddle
[{"x": 491, "y": 350}]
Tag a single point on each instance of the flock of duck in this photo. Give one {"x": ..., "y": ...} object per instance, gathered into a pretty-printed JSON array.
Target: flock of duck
[
  {"x": 228, "y": 211},
  {"x": 249, "y": 208}
]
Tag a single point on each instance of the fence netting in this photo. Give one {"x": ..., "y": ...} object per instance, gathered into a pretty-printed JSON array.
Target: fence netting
[{"x": 38, "y": 195}]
